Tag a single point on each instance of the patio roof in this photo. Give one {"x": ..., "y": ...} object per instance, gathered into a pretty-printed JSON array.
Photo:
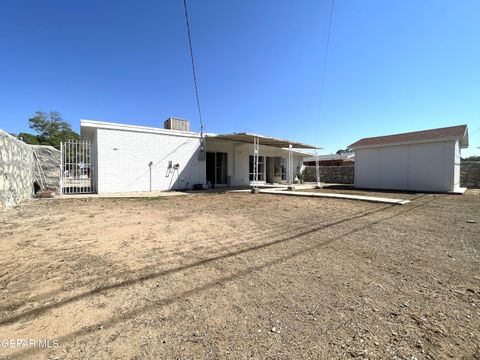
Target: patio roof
[{"x": 264, "y": 140}]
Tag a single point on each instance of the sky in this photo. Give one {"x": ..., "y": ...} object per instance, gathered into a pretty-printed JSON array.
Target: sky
[{"x": 393, "y": 66}]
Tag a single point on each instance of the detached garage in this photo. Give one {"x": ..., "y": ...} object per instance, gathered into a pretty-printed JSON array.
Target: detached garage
[{"x": 426, "y": 160}]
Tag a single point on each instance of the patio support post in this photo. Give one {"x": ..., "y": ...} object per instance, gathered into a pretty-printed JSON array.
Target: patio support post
[
  {"x": 317, "y": 170},
  {"x": 290, "y": 165},
  {"x": 256, "y": 146}
]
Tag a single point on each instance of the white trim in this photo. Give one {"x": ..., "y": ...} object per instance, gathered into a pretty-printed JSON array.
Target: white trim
[
  {"x": 264, "y": 174},
  {"x": 145, "y": 129}
]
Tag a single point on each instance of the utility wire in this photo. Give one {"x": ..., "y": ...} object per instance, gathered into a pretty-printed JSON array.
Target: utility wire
[
  {"x": 475, "y": 131},
  {"x": 475, "y": 136},
  {"x": 193, "y": 68},
  {"x": 324, "y": 72}
]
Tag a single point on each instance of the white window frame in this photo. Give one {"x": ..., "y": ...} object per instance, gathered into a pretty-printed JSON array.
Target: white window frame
[{"x": 261, "y": 175}]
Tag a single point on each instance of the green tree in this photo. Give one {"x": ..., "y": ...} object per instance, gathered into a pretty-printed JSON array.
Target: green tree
[
  {"x": 51, "y": 128},
  {"x": 28, "y": 138}
]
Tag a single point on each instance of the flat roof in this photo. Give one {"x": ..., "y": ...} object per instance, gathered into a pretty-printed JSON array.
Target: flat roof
[
  {"x": 263, "y": 140},
  {"x": 126, "y": 127},
  {"x": 458, "y": 132}
]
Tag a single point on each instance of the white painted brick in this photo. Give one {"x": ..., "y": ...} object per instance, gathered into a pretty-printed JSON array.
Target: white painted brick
[{"x": 123, "y": 158}]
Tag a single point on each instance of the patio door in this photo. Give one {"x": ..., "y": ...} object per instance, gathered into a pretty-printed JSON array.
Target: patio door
[{"x": 217, "y": 168}]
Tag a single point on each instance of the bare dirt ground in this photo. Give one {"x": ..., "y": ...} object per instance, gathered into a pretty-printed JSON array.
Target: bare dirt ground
[{"x": 232, "y": 276}]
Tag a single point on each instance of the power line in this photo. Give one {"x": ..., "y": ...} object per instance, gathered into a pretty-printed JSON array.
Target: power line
[
  {"x": 475, "y": 131},
  {"x": 325, "y": 58},
  {"x": 475, "y": 136},
  {"x": 193, "y": 68}
]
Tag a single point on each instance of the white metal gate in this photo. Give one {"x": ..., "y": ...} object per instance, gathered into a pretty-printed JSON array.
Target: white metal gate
[{"x": 76, "y": 168}]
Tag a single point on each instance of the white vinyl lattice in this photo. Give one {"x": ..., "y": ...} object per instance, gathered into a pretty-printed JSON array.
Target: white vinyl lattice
[{"x": 76, "y": 167}]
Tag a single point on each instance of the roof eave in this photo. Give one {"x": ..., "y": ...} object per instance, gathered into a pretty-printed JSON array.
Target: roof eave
[
  {"x": 462, "y": 144},
  {"x": 464, "y": 140},
  {"x": 94, "y": 124}
]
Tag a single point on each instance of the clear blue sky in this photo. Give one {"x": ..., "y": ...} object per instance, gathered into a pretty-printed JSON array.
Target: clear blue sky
[{"x": 394, "y": 66}]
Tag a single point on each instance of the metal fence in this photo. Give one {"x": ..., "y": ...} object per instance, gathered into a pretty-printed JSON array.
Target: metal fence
[{"x": 76, "y": 167}]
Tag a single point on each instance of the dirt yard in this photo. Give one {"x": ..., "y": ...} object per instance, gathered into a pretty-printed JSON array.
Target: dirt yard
[{"x": 235, "y": 276}]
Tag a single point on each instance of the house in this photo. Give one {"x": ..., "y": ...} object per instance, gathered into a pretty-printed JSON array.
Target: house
[
  {"x": 342, "y": 159},
  {"x": 426, "y": 160},
  {"x": 128, "y": 158}
]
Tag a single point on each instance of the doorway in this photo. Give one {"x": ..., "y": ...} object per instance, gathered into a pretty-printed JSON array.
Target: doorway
[
  {"x": 217, "y": 168},
  {"x": 275, "y": 169}
]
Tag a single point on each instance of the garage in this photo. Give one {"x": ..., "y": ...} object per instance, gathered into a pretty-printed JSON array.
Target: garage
[{"x": 427, "y": 160}]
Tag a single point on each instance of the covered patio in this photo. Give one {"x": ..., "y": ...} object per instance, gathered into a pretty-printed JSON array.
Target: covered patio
[{"x": 245, "y": 159}]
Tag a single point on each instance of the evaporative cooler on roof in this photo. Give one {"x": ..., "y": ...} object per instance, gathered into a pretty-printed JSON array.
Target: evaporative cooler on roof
[{"x": 176, "y": 124}]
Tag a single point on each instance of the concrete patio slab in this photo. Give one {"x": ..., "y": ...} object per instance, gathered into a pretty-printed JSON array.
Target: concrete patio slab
[
  {"x": 459, "y": 191},
  {"x": 337, "y": 196}
]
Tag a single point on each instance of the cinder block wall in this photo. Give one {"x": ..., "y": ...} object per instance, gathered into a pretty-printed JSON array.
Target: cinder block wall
[
  {"x": 16, "y": 175},
  {"x": 331, "y": 174},
  {"x": 470, "y": 174}
]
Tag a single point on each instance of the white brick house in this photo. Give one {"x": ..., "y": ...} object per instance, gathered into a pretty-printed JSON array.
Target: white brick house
[{"x": 128, "y": 158}]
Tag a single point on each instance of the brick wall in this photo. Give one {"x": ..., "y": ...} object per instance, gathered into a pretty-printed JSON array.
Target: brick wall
[
  {"x": 124, "y": 156},
  {"x": 331, "y": 174}
]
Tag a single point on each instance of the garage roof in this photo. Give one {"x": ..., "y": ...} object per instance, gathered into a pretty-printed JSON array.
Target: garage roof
[
  {"x": 459, "y": 132},
  {"x": 264, "y": 140}
]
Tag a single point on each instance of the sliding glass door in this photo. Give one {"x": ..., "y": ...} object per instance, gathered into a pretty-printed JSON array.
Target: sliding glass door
[{"x": 217, "y": 168}]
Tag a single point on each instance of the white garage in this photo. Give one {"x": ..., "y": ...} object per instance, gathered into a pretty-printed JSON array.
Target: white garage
[{"x": 426, "y": 160}]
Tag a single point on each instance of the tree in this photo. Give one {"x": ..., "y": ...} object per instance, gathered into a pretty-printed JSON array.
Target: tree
[
  {"x": 51, "y": 129},
  {"x": 28, "y": 138}
]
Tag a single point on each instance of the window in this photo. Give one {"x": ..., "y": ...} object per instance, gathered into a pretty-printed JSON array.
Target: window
[{"x": 261, "y": 168}]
